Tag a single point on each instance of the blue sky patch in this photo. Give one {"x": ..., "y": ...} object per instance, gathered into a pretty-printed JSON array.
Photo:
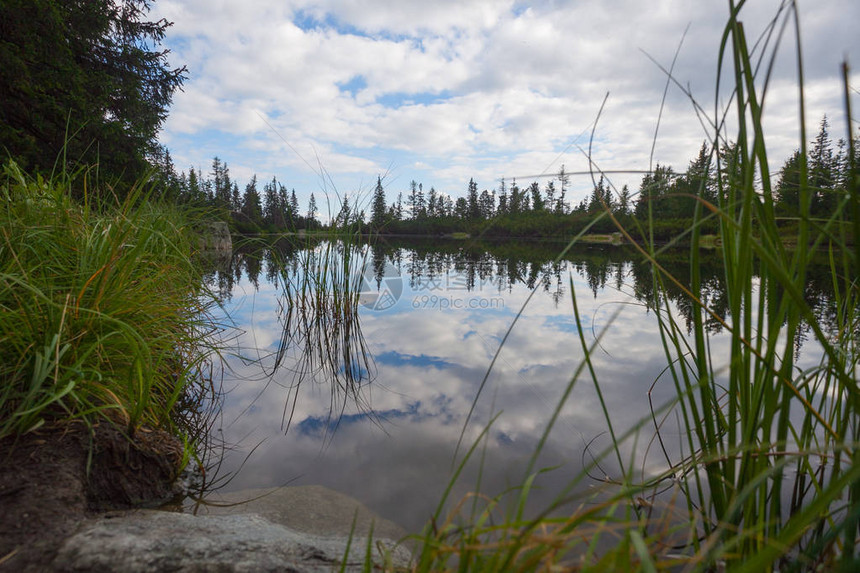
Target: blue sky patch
[
  {"x": 422, "y": 361},
  {"x": 400, "y": 99},
  {"x": 354, "y": 85}
]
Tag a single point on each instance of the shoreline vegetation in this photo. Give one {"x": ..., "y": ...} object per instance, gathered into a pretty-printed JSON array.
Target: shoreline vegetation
[
  {"x": 665, "y": 202},
  {"x": 103, "y": 314},
  {"x": 103, "y": 318}
]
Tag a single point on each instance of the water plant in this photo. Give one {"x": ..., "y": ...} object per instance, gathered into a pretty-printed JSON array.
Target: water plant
[
  {"x": 321, "y": 330},
  {"x": 100, "y": 307},
  {"x": 767, "y": 474}
]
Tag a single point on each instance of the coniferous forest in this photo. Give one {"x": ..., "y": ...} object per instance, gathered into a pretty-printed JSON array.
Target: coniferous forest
[
  {"x": 665, "y": 197},
  {"x": 86, "y": 87}
]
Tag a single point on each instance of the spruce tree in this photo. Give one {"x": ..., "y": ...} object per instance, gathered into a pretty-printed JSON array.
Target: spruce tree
[
  {"x": 788, "y": 188},
  {"x": 312, "y": 208},
  {"x": 537, "y": 200},
  {"x": 474, "y": 212},
  {"x": 377, "y": 212},
  {"x": 822, "y": 172},
  {"x": 252, "y": 206},
  {"x": 88, "y": 78}
]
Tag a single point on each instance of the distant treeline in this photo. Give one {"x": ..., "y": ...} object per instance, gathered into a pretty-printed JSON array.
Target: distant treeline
[
  {"x": 665, "y": 199},
  {"x": 81, "y": 97}
]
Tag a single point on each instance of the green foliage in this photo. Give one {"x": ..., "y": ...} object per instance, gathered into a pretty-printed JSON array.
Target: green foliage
[
  {"x": 768, "y": 477},
  {"x": 99, "y": 312},
  {"x": 86, "y": 79},
  {"x": 378, "y": 214}
]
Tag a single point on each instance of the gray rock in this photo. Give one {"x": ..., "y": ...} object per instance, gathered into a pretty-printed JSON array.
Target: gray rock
[
  {"x": 215, "y": 236},
  {"x": 148, "y": 540},
  {"x": 312, "y": 509}
]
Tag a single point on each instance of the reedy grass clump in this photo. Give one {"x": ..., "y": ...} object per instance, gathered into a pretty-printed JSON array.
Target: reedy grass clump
[
  {"x": 768, "y": 476},
  {"x": 100, "y": 313},
  {"x": 320, "y": 326}
]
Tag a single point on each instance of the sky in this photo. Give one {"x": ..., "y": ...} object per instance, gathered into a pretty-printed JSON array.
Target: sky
[{"x": 328, "y": 95}]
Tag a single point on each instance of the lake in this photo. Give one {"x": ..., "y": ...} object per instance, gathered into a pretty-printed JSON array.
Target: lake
[{"x": 367, "y": 389}]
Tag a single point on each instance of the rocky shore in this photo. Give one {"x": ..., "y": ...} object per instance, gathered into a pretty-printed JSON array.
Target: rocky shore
[{"x": 70, "y": 501}]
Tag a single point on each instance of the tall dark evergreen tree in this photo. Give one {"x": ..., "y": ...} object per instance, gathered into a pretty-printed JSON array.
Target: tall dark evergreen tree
[
  {"x": 87, "y": 77},
  {"x": 696, "y": 182},
  {"x": 273, "y": 212},
  {"x": 597, "y": 198},
  {"x": 503, "y": 199},
  {"x": 652, "y": 192},
  {"x": 417, "y": 206},
  {"x": 252, "y": 206},
  {"x": 729, "y": 174},
  {"x": 487, "y": 204},
  {"x": 472, "y": 198},
  {"x": 788, "y": 188},
  {"x": 286, "y": 213},
  {"x": 433, "y": 203},
  {"x": 222, "y": 186},
  {"x": 235, "y": 198},
  {"x": 622, "y": 206},
  {"x": 822, "y": 172},
  {"x": 294, "y": 204},
  {"x": 461, "y": 208},
  {"x": 312, "y": 208},
  {"x": 537, "y": 200},
  {"x": 563, "y": 180},
  {"x": 377, "y": 212},
  {"x": 515, "y": 201},
  {"x": 549, "y": 192},
  {"x": 193, "y": 192}
]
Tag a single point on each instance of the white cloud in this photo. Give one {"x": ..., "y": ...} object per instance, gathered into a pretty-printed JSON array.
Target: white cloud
[{"x": 518, "y": 82}]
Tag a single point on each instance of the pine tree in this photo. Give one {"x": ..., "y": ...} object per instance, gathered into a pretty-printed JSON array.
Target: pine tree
[
  {"x": 235, "y": 198},
  {"x": 344, "y": 216},
  {"x": 550, "y": 196},
  {"x": 822, "y": 172},
  {"x": 729, "y": 174},
  {"x": 563, "y": 179},
  {"x": 449, "y": 206},
  {"x": 312, "y": 208},
  {"x": 623, "y": 206},
  {"x": 461, "y": 208},
  {"x": 595, "y": 202},
  {"x": 487, "y": 204},
  {"x": 652, "y": 192},
  {"x": 286, "y": 213},
  {"x": 93, "y": 69},
  {"x": 377, "y": 213},
  {"x": 414, "y": 200},
  {"x": 472, "y": 198},
  {"x": 420, "y": 203},
  {"x": 788, "y": 187},
  {"x": 503, "y": 199},
  {"x": 251, "y": 205},
  {"x": 433, "y": 203},
  {"x": 272, "y": 212},
  {"x": 222, "y": 186},
  {"x": 537, "y": 200},
  {"x": 515, "y": 201},
  {"x": 696, "y": 182},
  {"x": 294, "y": 203},
  {"x": 195, "y": 195}
]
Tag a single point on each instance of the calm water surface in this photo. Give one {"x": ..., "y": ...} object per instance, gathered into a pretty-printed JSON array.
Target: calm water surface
[{"x": 373, "y": 406}]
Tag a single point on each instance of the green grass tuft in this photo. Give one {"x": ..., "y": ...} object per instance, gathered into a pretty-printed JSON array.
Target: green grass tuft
[{"x": 100, "y": 313}]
